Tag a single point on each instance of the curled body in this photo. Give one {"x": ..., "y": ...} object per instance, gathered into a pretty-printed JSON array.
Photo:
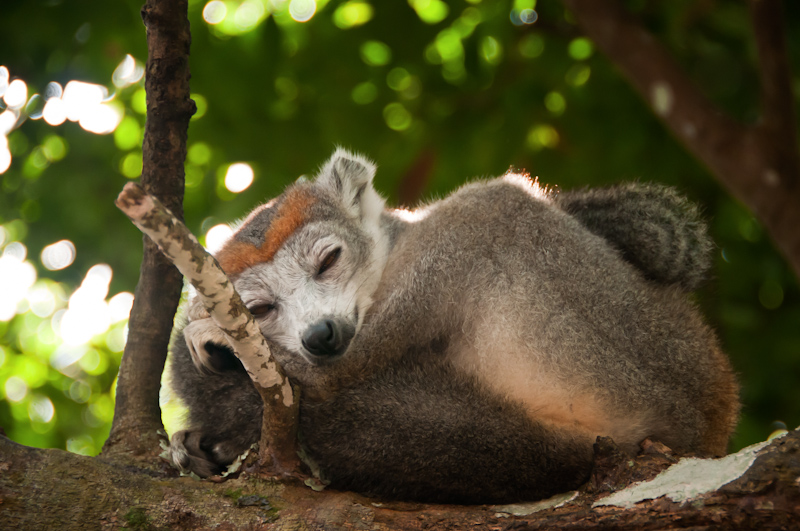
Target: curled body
[{"x": 469, "y": 351}]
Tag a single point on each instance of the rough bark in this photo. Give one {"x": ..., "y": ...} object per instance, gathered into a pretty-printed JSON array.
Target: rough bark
[
  {"x": 53, "y": 489},
  {"x": 278, "y": 449},
  {"x": 137, "y": 416},
  {"x": 759, "y": 164}
]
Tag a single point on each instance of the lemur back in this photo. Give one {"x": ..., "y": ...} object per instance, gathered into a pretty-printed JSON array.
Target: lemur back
[{"x": 470, "y": 351}]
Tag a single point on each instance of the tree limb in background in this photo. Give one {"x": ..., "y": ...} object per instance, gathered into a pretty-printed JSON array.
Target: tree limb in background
[
  {"x": 278, "y": 450},
  {"x": 760, "y": 164},
  {"x": 137, "y": 416}
]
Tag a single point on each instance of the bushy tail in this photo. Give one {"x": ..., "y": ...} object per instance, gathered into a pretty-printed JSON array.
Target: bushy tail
[{"x": 654, "y": 227}]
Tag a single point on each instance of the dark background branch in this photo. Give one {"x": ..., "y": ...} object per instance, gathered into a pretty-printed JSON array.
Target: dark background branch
[{"x": 758, "y": 165}]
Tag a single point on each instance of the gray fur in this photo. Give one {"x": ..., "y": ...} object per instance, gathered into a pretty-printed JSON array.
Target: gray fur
[{"x": 496, "y": 337}]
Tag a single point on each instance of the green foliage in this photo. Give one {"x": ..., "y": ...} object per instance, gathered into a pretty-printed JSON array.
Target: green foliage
[{"x": 473, "y": 86}]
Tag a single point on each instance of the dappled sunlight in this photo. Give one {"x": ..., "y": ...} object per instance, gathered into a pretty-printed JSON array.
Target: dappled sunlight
[
  {"x": 88, "y": 313},
  {"x": 88, "y": 104}
]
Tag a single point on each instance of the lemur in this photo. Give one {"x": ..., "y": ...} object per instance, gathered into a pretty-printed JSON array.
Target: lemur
[{"x": 468, "y": 351}]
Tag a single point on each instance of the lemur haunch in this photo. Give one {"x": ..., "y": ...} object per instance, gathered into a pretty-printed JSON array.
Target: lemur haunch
[{"x": 469, "y": 351}]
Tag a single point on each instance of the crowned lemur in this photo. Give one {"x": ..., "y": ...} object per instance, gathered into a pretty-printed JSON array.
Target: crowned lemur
[{"x": 471, "y": 350}]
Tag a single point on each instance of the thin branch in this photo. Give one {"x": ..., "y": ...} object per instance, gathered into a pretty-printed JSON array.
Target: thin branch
[
  {"x": 758, "y": 166},
  {"x": 278, "y": 450},
  {"x": 137, "y": 416}
]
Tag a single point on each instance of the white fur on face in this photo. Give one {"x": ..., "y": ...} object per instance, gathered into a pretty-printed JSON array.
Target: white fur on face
[{"x": 301, "y": 297}]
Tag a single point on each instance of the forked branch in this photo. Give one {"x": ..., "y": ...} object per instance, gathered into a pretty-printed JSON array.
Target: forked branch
[{"x": 278, "y": 449}]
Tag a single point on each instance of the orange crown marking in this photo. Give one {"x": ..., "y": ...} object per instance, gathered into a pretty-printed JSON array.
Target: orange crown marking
[{"x": 292, "y": 213}]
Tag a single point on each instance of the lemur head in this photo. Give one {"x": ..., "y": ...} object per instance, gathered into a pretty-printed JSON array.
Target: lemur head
[{"x": 308, "y": 263}]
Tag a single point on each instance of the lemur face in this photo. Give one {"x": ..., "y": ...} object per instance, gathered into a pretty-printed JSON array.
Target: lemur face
[
  {"x": 311, "y": 298},
  {"x": 307, "y": 264}
]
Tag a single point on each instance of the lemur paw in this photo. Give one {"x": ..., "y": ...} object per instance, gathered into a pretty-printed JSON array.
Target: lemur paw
[
  {"x": 191, "y": 452},
  {"x": 197, "y": 334},
  {"x": 188, "y": 455},
  {"x": 195, "y": 310}
]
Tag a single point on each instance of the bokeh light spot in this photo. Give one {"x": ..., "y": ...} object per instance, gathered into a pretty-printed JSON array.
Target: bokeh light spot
[
  {"x": 531, "y": 46},
  {"x": 88, "y": 313},
  {"x": 127, "y": 72},
  {"x": 581, "y": 48},
  {"x": 578, "y": 75},
  {"x": 16, "y": 276},
  {"x": 770, "y": 294},
  {"x": 35, "y": 107},
  {"x": 302, "y": 10},
  {"x": 351, "y": 14},
  {"x": 491, "y": 51},
  {"x": 58, "y": 255},
  {"x": 128, "y": 134},
  {"x": 131, "y": 165},
  {"x": 430, "y": 11},
  {"x": 139, "y": 101},
  {"x": 41, "y": 409},
  {"x": 202, "y": 106},
  {"x": 55, "y": 111},
  {"x": 199, "y": 153},
  {"x": 120, "y": 306},
  {"x": 41, "y": 300},
  {"x": 397, "y": 117},
  {"x": 398, "y": 79},
  {"x": 214, "y": 12},
  {"x": 15, "y": 389},
  {"x": 4, "y": 75},
  {"x": 542, "y": 136},
  {"x": 376, "y": 53},
  {"x": 8, "y": 119},
  {"x": 238, "y": 177},
  {"x": 249, "y": 14},
  {"x": 555, "y": 103},
  {"x": 365, "y": 93},
  {"x": 17, "y": 94},
  {"x": 217, "y": 236},
  {"x": 5, "y": 154},
  {"x": 54, "y": 148}
]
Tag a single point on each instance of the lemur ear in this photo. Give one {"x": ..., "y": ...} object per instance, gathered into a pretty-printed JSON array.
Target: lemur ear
[{"x": 349, "y": 177}]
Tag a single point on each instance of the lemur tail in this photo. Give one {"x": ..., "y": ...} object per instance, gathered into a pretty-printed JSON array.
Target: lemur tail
[{"x": 654, "y": 227}]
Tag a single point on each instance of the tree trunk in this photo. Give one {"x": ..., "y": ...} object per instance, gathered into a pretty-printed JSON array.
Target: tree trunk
[{"x": 137, "y": 416}]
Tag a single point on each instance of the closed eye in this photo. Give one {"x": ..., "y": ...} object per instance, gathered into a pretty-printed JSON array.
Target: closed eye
[
  {"x": 261, "y": 310},
  {"x": 329, "y": 260}
]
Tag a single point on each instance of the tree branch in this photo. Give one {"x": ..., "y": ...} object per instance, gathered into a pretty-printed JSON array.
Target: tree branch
[
  {"x": 760, "y": 166},
  {"x": 278, "y": 449},
  {"x": 137, "y": 416}
]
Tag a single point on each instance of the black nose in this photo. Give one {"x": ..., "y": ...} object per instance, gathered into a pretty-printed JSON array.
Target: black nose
[{"x": 320, "y": 338}]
